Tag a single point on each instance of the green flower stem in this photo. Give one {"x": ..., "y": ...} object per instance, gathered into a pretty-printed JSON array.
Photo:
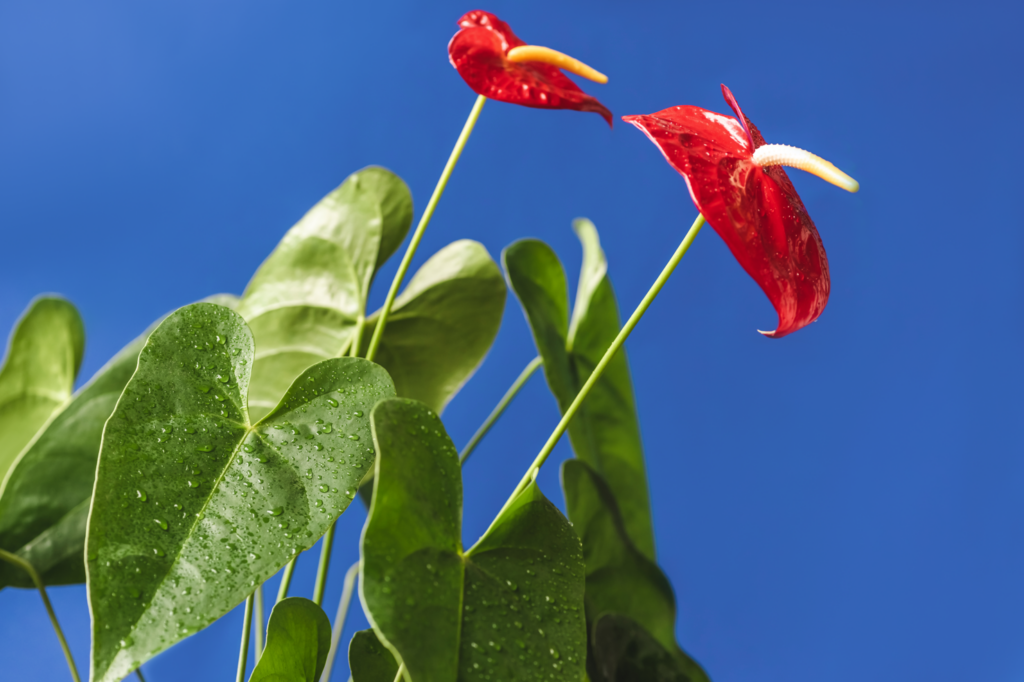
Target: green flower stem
[
  {"x": 243, "y": 651},
  {"x": 286, "y": 580},
  {"x": 261, "y": 623},
  {"x": 339, "y": 619},
  {"x": 138, "y": 673},
  {"x": 681, "y": 250},
  {"x": 500, "y": 408},
  {"x": 401, "y": 673},
  {"x": 321, "y": 569},
  {"x": 378, "y": 332},
  {"x": 28, "y": 568}
]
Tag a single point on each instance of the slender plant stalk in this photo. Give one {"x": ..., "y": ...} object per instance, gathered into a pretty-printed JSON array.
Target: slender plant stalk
[
  {"x": 531, "y": 473},
  {"x": 500, "y": 408},
  {"x": 16, "y": 560},
  {"x": 321, "y": 569},
  {"x": 138, "y": 673},
  {"x": 339, "y": 619},
  {"x": 258, "y": 616},
  {"x": 401, "y": 672},
  {"x": 286, "y": 580},
  {"x": 243, "y": 651},
  {"x": 382, "y": 321}
]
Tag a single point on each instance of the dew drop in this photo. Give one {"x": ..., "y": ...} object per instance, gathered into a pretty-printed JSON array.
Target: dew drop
[
  {"x": 325, "y": 488},
  {"x": 141, "y": 494},
  {"x": 358, "y": 413},
  {"x": 332, "y": 402},
  {"x": 161, "y": 523},
  {"x": 204, "y": 389},
  {"x": 204, "y": 448},
  {"x": 276, "y": 511}
]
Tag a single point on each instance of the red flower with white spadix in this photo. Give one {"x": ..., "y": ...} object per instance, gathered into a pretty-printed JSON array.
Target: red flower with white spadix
[{"x": 738, "y": 184}]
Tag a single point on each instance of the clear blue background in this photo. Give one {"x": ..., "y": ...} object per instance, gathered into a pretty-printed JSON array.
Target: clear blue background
[{"x": 843, "y": 504}]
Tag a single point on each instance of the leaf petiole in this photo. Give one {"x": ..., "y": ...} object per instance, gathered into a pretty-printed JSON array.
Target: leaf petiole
[
  {"x": 499, "y": 409},
  {"x": 243, "y": 651},
  {"x": 339, "y": 619}
]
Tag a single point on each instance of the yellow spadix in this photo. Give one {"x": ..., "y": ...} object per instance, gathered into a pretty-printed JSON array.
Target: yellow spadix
[
  {"x": 545, "y": 55},
  {"x": 784, "y": 155}
]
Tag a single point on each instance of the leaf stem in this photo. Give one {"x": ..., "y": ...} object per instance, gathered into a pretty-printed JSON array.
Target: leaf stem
[
  {"x": 339, "y": 619},
  {"x": 321, "y": 569},
  {"x": 259, "y": 618},
  {"x": 30, "y": 569},
  {"x": 401, "y": 672},
  {"x": 243, "y": 651},
  {"x": 286, "y": 580},
  {"x": 138, "y": 673},
  {"x": 428, "y": 212},
  {"x": 666, "y": 272},
  {"x": 500, "y": 408}
]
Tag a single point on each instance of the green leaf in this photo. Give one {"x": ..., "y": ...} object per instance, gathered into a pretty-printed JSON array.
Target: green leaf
[
  {"x": 605, "y": 432},
  {"x": 369, "y": 660},
  {"x": 43, "y": 357},
  {"x": 625, "y": 652},
  {"x": 298, "y": 639},
  {"x": 194, "y": 506},
  {"x": 44, "y": 500},
  {"x": 304, "y": 302},
  {"x": 442, "y": 325},
  {"x": 511, "y": 607},
  {"x": 620, "y": 578}
]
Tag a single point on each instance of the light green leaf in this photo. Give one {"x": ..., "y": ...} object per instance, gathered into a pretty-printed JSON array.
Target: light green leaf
[
  {"x": 624, "y": 652},
  {"x": 298, "y": 639},
  {"x": 38, "y": 374},
  {"x": 605, "y": 432},
  {"x": 442, "y": 325},
  {"x": 194, "y": 505},
  {"x": 509, "y": 607},
  {"x": 304, "y": 302},
  {"x": 369, "y": 660},
  {"x": 620, "y": 578}
]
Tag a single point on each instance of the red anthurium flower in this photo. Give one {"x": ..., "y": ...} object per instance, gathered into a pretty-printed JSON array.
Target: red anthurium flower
[
  {"x": 500, "y": 66},
  {"x": 738, "y": 184}
]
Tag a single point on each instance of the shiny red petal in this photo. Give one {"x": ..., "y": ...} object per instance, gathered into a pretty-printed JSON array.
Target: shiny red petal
[
  {"x": 478, "y": 51},
  {"x": 756, "y": 211}
]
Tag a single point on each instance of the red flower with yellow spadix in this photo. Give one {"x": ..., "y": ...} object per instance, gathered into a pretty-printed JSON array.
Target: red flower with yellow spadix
[
  {"x": 500, "y": 66},
  {"x": 738, "y": 184}
]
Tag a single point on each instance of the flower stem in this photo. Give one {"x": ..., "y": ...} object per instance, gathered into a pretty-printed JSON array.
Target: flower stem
[
  {"x": 243, "y": 651},
  {"x": 28, "y": 568},
  {"x": 401, "y": 672},
  {"x": 382, "y": 321},
  {"x": 681, "y": 250},
  {"x": 339, "y": 619},
  {"x": 260, "y": 620},
  {"x": 500, "y": 408},
  {"x": 321, "y": 569},
  {"x": 286, "y": 580},
  {"x": 138, "y": 673}
]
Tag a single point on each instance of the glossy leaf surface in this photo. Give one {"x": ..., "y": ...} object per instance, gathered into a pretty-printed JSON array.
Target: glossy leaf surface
[
  {"x": 304, "y": 302},
  {"x": 194, "y": 505},
  {"x": 625, "y": 652},
  {"x": 478, "y": 52},
  {"x": 605, "y": 432},
  {"x": 298, "y": 639},
  {"x": 442, "y": 324},
  {"x": 369, "y": 660},
  {"x": 511, "y": 607},
  {"x": 756, "y": 211},
  {"x": 620, "y": 578},
  {"x": 38, "y": 374},
  {"x": 44, "y": 501}
]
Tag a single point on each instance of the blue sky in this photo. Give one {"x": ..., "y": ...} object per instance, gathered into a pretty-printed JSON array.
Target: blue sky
[{"x": 844, "y": 503}]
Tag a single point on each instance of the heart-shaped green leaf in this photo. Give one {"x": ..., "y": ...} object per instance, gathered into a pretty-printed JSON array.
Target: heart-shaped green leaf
[
  {"x": 511, "y": 607},
  {"x": 369, "y": 660},
  {"x": 605, "y": 432},
  {"x": 624, "y": 652},
  {"x": 304, "y": 302},
  {"x": 298, "y": 639},
  {"x": 44, "y": 501},
  {"x": 442, "y": 325},
  {"x": 620, "y": 578},
  {"x": 38, "y": 374},
  {"x": 194, "y": 505}
]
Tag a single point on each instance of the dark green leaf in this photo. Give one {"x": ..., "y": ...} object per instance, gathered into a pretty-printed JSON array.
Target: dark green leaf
[
  {"x": 194, "y": 506},
  {"x": 511, "y": 607},
  {"x": 304, "y": 302},
  {"x": 369, "y": 660},
  {"x": 38, "y": 374},
  {"x": 620, "y": 579},
  {"x": 298, "y": 639},
  {"x": 442, "y": 325},
  {"x": 44, "y": 501},
  {"x": 605, "y": 432},
  {"x": 625, "y": 652}
]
